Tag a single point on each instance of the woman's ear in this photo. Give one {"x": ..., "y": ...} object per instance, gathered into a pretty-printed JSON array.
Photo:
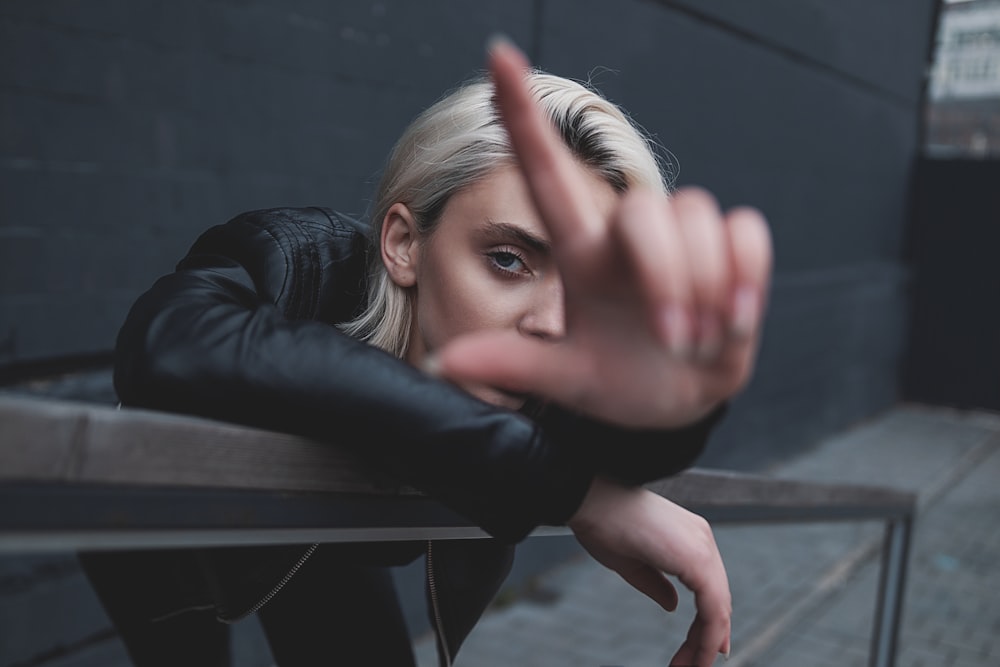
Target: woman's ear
[{"x": 399, "y": 245}]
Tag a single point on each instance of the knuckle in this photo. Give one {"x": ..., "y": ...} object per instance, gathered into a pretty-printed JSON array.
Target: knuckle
[
  {"x": 698, "y": 197},
  {"x": 703, "y": 533},
  {"x": 747, "y": 214},
  {"x": 750, "y": 236}
]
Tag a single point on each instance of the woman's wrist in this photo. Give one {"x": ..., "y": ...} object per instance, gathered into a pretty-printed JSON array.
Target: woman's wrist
[{"x": 599, "y": 502}]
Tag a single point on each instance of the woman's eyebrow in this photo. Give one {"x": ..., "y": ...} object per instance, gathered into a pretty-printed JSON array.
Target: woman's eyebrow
[{"x": 506, "y": 230}]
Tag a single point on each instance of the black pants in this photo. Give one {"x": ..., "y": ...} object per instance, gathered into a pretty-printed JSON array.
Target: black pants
[{"x": 332, "y": 612}]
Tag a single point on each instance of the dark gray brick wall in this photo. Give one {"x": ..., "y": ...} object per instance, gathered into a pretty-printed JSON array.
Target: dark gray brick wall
[
  {"x": 879, "y": 45},
  {"x": 127, "y": 128},
  {"x": 805, "y": 111}
]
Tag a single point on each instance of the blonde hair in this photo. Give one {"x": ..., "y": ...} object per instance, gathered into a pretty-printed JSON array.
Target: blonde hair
[{"x": 460, "y": 140}]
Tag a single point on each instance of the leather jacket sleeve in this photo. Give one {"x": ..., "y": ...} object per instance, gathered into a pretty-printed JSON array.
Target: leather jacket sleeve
[
  {"x": 242, "y": 332},
  {"x": 630, "y": 456}
]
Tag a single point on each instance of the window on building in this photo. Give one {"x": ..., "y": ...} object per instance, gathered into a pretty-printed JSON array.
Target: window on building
[{"x": 962, "y": 109}]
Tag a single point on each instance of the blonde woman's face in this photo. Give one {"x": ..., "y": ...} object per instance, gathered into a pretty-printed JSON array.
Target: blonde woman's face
[{"x": 488, "y": 265}]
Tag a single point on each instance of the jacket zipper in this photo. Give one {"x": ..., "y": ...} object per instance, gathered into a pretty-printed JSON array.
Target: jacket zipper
[
  {"x": 277, "y": 588},
  {"x": 432, "y": 588},
  {"x": 274, "y": 591}
]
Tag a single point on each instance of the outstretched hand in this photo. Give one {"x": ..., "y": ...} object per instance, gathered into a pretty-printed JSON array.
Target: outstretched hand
[
  {"x": 641, "y": 536},
  {"x": 663, "y": 299}
]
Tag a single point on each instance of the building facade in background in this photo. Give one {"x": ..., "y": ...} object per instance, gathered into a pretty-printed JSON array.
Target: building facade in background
[{"x": 963, "y": 104}]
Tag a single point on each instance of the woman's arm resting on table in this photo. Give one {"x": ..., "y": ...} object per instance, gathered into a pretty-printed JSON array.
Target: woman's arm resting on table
[
  {"x": 626, "y": 455},
  {"x": 209, "y": 340}
]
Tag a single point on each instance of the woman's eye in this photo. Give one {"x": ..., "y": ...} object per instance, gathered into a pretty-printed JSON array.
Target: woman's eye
[{"x": 507, "y": 261}]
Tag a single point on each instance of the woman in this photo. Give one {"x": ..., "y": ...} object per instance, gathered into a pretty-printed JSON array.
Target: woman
[{"x": 547, "y": 276}]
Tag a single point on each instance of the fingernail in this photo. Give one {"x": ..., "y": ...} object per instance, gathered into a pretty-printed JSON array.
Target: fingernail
[
  {"x": 710, "y": 337},
  {"x": 746, "y": 312},
  {"x": 675, "y": 331},
  {"x": 497, "y": 40},
  {"x": 431, "y": 365}
]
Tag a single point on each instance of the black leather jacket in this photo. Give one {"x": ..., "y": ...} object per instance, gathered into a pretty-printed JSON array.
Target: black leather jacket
[{"x": 243, "y": 331}]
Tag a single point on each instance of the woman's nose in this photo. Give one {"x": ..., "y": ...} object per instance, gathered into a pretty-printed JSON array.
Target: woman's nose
[{"x": 545, "y": 317}]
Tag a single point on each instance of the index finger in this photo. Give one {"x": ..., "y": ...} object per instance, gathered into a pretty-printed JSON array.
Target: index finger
[
  {"x": 706, "y": 639},
  {"x": 710, "y": 632},
  {"x": 554, "y": 177}
]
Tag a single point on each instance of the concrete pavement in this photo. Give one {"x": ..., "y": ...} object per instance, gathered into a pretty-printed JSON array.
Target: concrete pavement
[{"x": 803, "y": 594}]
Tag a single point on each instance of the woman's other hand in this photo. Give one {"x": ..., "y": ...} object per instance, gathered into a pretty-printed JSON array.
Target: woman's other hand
[
  {"x": 642, "y": 536},
  {"x": 664, "y": 299}
]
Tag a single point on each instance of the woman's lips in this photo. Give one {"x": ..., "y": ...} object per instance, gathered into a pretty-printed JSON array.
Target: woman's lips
[{"x": 499, "y": 397}]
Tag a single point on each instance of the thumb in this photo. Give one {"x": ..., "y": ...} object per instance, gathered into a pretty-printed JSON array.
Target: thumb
[{"x": 508, "y": 360}]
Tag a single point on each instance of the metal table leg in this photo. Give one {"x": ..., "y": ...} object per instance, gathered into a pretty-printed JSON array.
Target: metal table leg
[{"x": 892, "y": 583}]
